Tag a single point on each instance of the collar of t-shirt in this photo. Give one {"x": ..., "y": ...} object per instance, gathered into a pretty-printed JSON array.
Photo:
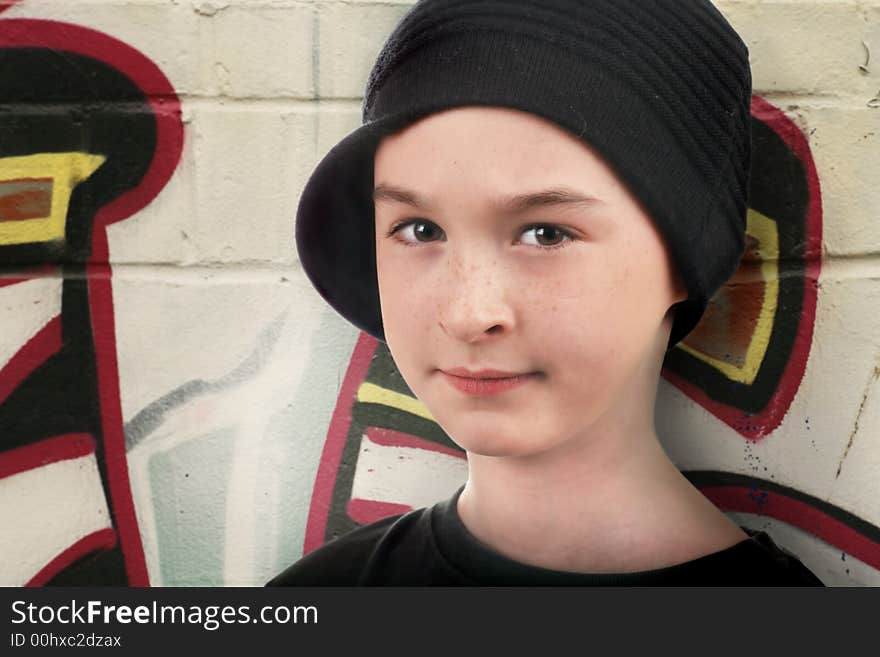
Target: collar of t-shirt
[{"x": 481, "y": 564}]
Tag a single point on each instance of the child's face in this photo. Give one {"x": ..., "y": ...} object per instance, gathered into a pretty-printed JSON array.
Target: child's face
[{"x": 471, "y": 284}]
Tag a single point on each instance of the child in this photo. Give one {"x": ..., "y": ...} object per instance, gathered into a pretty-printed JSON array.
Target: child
[{"x": 541, "y": 201}]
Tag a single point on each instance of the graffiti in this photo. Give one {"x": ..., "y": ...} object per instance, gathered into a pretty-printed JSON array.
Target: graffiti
[
  {"x": 745, "y": 360},
  {"x": 743, "y": 363},
  {"x": 836, "y": 526},
  {"x": 129, "y": 457},
  {"x": 205, "y": 460},
  {"x": 384, "y": 453},
  {"x": 90, "y": 133}
]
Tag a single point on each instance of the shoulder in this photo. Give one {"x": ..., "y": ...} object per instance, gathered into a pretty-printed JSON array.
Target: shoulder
[
  {"x": 350, "y": 559},
  {"x": 792, "y": 572},
  {"x": 776, "y": 566}
]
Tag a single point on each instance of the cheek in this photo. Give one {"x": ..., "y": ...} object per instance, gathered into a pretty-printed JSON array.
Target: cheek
[
  {"x": 592, "y": 327},
  {"x": 405, "y": 308},
  {"x": 407, "y": 313},
  {"x": 411, "y": 294},
  {"x": 611, "y": 303},
  {"x": 577, "y": 343},
  {"x": 394, "y": 294},
  {"x": 573, "y": 311}
]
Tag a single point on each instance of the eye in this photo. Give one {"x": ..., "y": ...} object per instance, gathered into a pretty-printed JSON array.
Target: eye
[
  {"x": 555, "y": 234},
  {"x": 422, "y": 230}
]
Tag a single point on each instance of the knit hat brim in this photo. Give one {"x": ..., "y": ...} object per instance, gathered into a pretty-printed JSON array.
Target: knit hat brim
[{"x": 335, "y": 228}]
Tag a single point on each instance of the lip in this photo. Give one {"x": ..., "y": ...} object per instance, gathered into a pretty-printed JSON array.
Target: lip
[
  {"x": 483, "y": 374},
  {"x": 481, "y": 383}
]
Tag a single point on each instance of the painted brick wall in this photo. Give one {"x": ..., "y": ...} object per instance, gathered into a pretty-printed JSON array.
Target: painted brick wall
[{"x": 177, "y": 404}]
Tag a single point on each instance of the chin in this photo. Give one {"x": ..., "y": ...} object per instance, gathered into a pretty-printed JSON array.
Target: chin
[
  {"x": 492, "y": 444},
  {"x": 497, "y": 452}
]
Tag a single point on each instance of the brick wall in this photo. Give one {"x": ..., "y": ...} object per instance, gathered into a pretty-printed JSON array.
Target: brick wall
[{"x": 220, "y": 397}]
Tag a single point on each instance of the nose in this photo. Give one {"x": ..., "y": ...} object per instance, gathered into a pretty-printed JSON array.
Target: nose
[{"x": 475, "y": 306}]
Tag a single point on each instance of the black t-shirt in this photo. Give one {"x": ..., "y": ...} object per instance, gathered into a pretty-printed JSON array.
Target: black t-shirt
[{"x": 432, "y": 547}]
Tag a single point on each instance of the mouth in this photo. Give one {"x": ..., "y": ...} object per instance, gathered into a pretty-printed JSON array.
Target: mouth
[
  {"x": 483, "y": 384},
  {"x": 465, "y": 373}
]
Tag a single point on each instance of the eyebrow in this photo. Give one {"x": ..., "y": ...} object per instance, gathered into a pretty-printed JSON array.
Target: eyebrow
[{"x": 511, "y": 204}]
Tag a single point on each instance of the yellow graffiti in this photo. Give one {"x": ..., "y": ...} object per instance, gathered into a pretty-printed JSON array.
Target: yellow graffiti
[
  {"x": 66, "y": 171},
  {"x": 370, "y": 393},
  {"x": 764, "y": 231}
]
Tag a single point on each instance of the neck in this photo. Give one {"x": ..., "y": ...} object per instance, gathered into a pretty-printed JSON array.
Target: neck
[{"x": 609, "y": 500}]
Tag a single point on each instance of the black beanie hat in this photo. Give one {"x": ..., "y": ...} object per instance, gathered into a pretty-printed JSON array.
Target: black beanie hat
[{"x": 661, "y": 89}]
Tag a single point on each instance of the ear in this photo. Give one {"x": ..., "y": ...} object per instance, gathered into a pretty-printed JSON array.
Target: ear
[
  {"x": 679, "y": 288},
  {"x": 669, "y": 317},
  {"x": 679, "y": 294}
]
